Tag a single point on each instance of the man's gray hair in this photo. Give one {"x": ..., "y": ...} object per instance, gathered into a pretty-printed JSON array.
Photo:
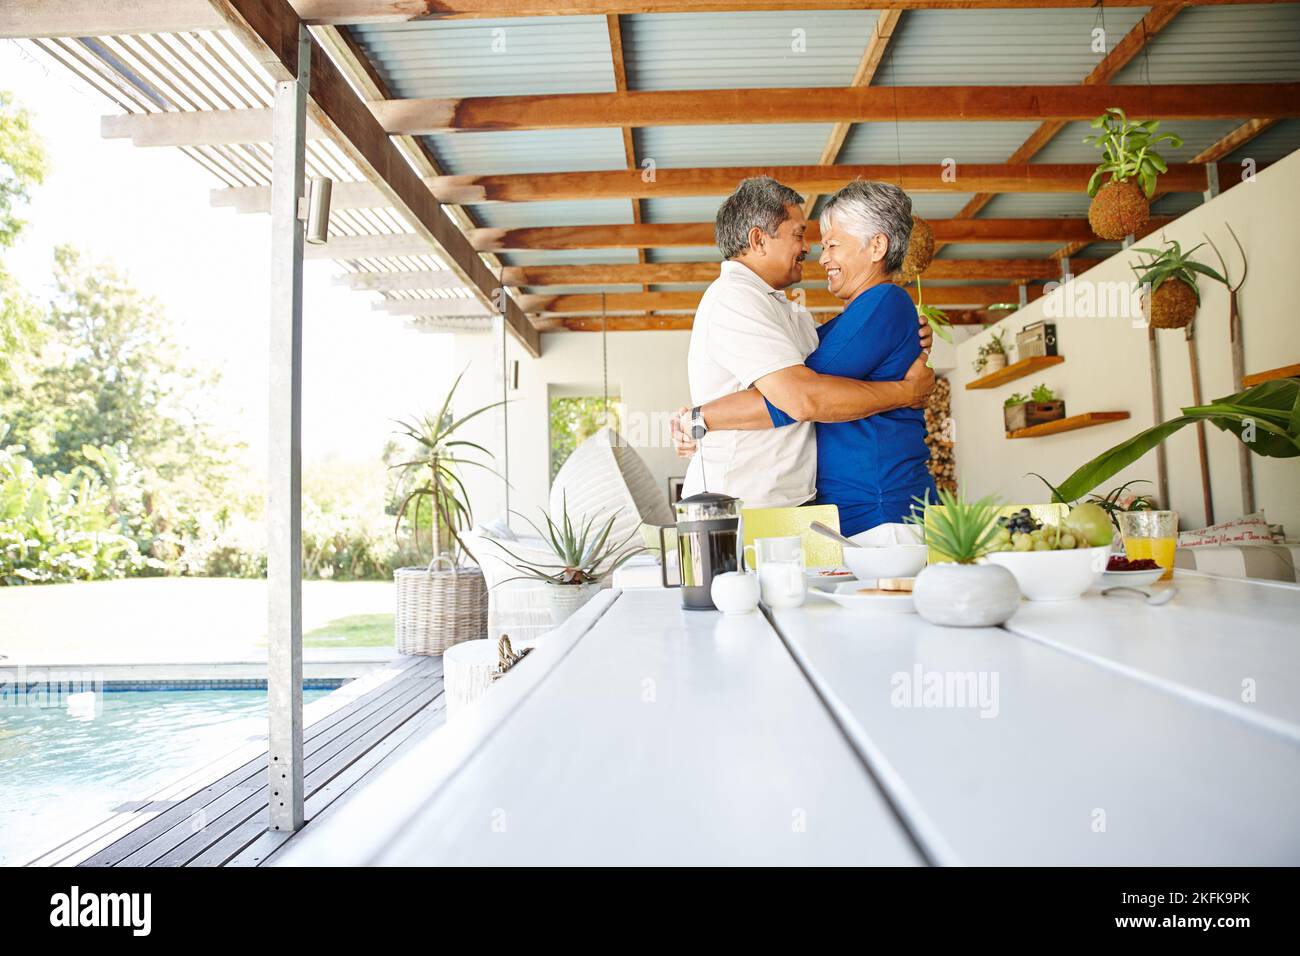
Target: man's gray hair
[
  {"x": 866, "y": 209},
  {"x": 760, "y": 202}
]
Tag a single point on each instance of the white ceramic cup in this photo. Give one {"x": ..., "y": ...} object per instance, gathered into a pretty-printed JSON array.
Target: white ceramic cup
[{"x": 780, "y": 570}]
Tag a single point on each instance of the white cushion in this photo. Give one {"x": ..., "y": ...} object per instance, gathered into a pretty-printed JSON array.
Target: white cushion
[{"x": 1249, "y": 530}]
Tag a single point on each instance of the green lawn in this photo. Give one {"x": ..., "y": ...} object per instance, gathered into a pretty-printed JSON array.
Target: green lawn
[{"x": 355, "y": 630}]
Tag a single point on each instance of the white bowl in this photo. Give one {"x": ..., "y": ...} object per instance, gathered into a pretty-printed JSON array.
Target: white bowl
[
  {"x": 1054, "y": 575},
  {"x": 892, "y": 561},
  {"x": 1131, "y": 579}
]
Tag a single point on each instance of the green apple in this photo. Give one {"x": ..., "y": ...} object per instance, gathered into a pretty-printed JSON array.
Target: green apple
[{"x": 1089, "y": 522}]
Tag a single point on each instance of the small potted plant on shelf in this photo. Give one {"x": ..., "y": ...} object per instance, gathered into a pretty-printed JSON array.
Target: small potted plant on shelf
[
  {"x": 992, "y": 355},
  {"x": 1170, "y": 277},
  {"x": 1039, "y": 406},
  {"x": 960, "y": 589},
  {"x": 1122, "y": 205},
  {"x": 584, "y": 557}
]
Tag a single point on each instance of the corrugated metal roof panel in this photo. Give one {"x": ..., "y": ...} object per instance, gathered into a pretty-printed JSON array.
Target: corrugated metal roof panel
[
  {"x": 690, "y": 254},
  {"x": 1068, "y": 145},
  {"x": 1037, "y": 205},
  {"x": 528, "y": 151},
  {"x": 681, "y": 209},
  {"x": 1231, "y": 44},
  {"x": 1175, "y": 204},
  {"x": 750, "y": 49},
  {"x": 578, "y": 212},
  {"x": 491, "y": 57},
  {"x": 999, "y": 47},
  {"x": 768, "y": 144},
  {"x": 1276, "y": 142},
  {"x": 968, "y": 142}
]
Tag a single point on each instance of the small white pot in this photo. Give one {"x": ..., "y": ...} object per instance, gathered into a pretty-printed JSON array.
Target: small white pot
[
  {"x": 735, "y": 592},
  {"x": 995, "y": 360},
  {"x": 966, "y": 595},
  {"x": 566, "y": 599}
]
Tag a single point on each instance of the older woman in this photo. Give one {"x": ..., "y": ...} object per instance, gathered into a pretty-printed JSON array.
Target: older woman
[{"x": 871, "y": 468}]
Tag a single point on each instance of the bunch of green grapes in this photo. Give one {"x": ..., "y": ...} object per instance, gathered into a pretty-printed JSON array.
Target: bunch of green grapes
[{"x": 1048, "y": 537}]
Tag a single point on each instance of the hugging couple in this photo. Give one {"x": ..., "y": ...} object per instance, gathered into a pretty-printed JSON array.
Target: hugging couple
[{"x": 787, "y": 412}]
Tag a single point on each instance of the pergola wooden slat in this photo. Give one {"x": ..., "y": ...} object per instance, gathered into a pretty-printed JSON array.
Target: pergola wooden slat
[{"x": 861, "y": 104}]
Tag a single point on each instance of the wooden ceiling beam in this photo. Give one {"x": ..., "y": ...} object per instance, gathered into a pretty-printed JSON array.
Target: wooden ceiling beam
[
  {"x": 681, "y": 235},
  {"x": 833, "y": 105},
  {"x": 683, "y": 323},
  {"x": 720, "y": 181},
  {"x": 815, "y": 300},
  {"x": 395, "y": 11},
  {"x": 701, "y": 273}
]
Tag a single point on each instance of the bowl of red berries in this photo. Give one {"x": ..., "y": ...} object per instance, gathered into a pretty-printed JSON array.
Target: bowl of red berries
[{"x": 1121, "y": 571}]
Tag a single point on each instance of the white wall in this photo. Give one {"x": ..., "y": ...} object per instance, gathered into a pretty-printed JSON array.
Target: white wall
[
  {"x": 647, "y": 370},
  {"x": 1106, "y": 367}
]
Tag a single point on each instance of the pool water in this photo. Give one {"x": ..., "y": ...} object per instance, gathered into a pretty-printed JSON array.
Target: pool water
[{"x": 64, "y": 768}]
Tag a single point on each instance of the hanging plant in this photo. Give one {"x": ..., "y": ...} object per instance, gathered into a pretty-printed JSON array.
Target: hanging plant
[
  {"x": 920, "y": 252},
  {"x": 937, "y": 318},
  {"x": 1171, "y": 277},
  {"x": 1122, "y": 205}
]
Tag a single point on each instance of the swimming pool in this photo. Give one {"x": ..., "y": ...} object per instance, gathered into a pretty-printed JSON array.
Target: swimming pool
[{"x": 68, "y": 761}]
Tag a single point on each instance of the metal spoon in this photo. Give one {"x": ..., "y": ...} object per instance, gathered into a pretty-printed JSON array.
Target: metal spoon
[
  {"x": 1155, "y": 600},
  {"x": 828, "y": 532}
]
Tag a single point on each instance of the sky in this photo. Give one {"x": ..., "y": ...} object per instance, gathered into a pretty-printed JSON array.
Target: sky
[{"x": 146, "y": 210}]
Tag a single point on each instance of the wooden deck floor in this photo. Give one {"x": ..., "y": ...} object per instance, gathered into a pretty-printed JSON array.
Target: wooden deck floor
[{"x": 219, "y": 817}]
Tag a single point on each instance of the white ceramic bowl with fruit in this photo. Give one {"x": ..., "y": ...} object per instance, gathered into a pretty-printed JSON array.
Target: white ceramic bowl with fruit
[
  {"x": 1053, "y": 563},
  {"x": 1054, "y": 575}
]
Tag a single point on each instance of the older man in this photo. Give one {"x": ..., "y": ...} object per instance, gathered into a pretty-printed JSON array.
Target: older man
[{"x": 747, "y": 334}]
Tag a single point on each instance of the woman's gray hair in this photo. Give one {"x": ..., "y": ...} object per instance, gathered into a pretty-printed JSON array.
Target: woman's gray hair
[
  {"x": 760, "y": 202},
  {"x": 866, "y": 210}
]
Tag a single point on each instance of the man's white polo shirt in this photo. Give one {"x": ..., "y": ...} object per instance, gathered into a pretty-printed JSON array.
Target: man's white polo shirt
[{"x": 744, "y": 329}]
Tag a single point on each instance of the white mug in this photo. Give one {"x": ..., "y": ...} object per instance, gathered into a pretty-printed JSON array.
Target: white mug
[{"x": 780, "y": 570}]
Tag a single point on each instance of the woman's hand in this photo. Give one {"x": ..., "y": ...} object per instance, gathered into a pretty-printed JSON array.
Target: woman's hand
[{"x": 927, "y": 336}]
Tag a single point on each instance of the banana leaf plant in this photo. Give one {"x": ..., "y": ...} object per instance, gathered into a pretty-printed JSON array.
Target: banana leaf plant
[
  {"x": 1265, "y": 417},
  {"x": 439, "y": 456}
]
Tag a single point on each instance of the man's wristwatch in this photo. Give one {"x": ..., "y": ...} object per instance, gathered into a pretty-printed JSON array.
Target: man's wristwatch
[{"x": 698, "y": 428}]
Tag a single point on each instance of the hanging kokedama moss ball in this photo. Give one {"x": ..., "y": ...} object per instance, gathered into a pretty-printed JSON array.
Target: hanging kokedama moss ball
[
  {"x": 1119, "y": 209},
  {"x": 1173, "y": 305},
  {"x": 920, "y": 252}
]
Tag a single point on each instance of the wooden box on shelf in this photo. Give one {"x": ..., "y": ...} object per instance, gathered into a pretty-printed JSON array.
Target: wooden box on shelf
[{"x": 1032, "y": 413}]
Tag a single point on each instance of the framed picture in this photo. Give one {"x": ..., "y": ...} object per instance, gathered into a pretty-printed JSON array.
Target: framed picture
[{"x": 675, "y": 489}]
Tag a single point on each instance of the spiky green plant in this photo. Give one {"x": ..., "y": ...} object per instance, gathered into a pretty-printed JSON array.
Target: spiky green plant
[
  {"x": 1015, "y": 398},
  {"x": 584, "y": 554},
  {"x": 1041, "y": 393},
  {"x": 955, "y": 529},
  {"x": 1128, "y": 150},
  {"x": 440, "y": 453},
  {"x": 1173, "y": 263}
]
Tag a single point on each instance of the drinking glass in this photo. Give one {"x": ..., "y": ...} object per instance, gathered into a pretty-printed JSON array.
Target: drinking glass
[
  {"x": 1150, "y": 534},
  {"x": 780, "y": 564}
]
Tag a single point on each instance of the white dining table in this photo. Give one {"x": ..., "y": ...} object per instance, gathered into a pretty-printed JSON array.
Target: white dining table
[{"x": 1099, "y": 731}]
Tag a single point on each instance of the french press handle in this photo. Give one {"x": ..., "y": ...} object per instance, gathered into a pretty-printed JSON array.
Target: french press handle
[{"x": 663, "y": 558}]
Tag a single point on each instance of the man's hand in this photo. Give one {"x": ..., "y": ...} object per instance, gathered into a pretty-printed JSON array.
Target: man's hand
[
  {"x": 683, "y": 443},
  {"x": 920, "y": 379},
  {"x": 927, "y": 335}
]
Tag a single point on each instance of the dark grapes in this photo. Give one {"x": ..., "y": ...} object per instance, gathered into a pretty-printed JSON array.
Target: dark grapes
[{"x": 1020, "y": 522}]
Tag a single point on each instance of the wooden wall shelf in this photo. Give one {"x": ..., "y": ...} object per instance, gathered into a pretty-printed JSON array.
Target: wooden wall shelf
[
  {"x": 1026, "y": 366},
  {"x": 1086, "y": 420},
  {"x": 1250, "y": 381}
]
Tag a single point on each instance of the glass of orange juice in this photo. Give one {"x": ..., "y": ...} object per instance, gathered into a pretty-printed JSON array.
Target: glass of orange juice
[{"x": 1150, "y": 534}]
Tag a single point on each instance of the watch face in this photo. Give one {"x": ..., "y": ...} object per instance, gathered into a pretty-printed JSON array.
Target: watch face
[{"x": 697, "y": 431}]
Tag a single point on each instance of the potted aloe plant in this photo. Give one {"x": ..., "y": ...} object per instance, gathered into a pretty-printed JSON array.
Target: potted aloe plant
[
  {"x": 446, "y": 602},
  {"x": 584, "y": 556},
  {"x": 1170, "y": 277},
  {"x": 961, "y": 590},
  {"x": 1122, "y": 204}
]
